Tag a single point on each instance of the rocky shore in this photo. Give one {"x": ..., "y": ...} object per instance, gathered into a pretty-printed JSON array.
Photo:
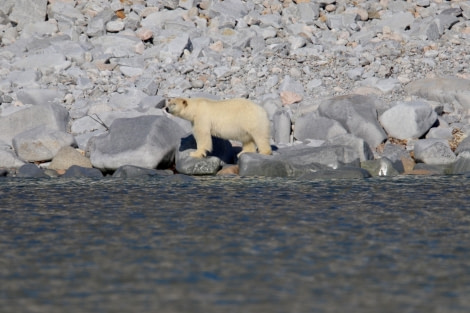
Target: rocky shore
[{"x": 353, "y": 88}]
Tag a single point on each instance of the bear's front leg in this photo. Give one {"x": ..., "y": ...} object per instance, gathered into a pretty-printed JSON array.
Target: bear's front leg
[
  {"x": 197, "y": 154},
  {"x": 202, "y": 134}
]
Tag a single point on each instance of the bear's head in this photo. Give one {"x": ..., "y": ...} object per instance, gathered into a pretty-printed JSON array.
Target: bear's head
[{"x": 176, "y": 106}]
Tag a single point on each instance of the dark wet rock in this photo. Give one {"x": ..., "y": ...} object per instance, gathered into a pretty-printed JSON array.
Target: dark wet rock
[
  {"x": 30, "y": 170},
  {"x": 76, "y": 171},
  {"x": 297, "y": 160},
  {"x": 130, "y": 171},
  {"x": 252, "y": 164},
  {"x": 358, "y": 115},
  {"x": 146, "y": 141},
  {"x": 408, "y": 120},
  {"x": 380, "y": 167},
  {"x": 333, "y": 156},
  {"x": 432, "y": 169},
  {"x": 188, "y": 165}
]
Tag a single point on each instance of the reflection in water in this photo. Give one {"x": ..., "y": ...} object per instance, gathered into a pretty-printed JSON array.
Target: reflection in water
[{"x": 235, "y": 245}]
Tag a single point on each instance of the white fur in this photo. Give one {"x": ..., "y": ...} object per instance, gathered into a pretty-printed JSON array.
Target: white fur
[{"x": 234, "y": 119}]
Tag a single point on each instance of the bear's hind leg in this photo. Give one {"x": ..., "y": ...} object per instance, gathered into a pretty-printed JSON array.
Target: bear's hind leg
[
  {"x": 248, "y": 147},
  {"x": 263, "y": 146}
]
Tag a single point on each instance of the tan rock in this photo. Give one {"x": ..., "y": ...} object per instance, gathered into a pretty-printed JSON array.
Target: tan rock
[
  {"x": 144, "y": 33},
  {"x": 68, "y": 156},
  {"x": 289, "y": 97},
  {"x": 229, "y": 170},
  {"x": 408, "y": 164},
  {"x": 217, "y": 46}
]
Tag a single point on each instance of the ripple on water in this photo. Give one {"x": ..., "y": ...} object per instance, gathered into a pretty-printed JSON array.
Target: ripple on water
[{"x": 219, "y": 244}]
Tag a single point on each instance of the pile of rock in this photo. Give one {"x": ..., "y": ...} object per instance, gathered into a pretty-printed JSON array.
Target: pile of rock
[{"x": 352, "y": 88}]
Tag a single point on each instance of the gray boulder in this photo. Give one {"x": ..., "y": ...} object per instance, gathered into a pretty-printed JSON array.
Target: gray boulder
[
  {"x": 97, "y": 24},
  {"x": 9, "y": 159},
  {"x": 30, "y": 170},
  {"x": 297, "y": 160},
  {"x": 54, "y": 116},
  {"x": 443, "y": 21},
  {"x": 282, "y": 126},
  {"x": 358, "y": 144},
  {"x": 462, "y": 164},
  {"x": 380, "y": 167},
  {"x": 197, "y": 166},
  {"x": 222, "y": 153},
  {"x": 464, "y": 145},
  {"x": 433, "y": 152},
  {"x": 39, "y": 96},
  {"x": 130, "y": 171},
  {"x": 408, "y": 120},
  {"x": 252, "y": 164},
  {"x": 358, "y": 115},
  {"x": 145, "y": 141},
  {"x": 433, "y": 169},
  {"x": 312, "y": 126},
  {"x": 440, "y": 133},
  {"x": 76, "y": 171},
  {"x": 171, "y": 45},
  {"x": 46, "y": 63},
  {"x": 333, "y": 156},
  {"x": 443, "y": 90},
  {"x": 229, "y": 9},
  {"x": 397, "y": 154},
  {"x": 28, "y": 11},
  {"x": 65, "y": 13},
  {"x": 155, "y": 21},
  {"x": 41, "y": 143},
  {"x": 118, "y": 46}
]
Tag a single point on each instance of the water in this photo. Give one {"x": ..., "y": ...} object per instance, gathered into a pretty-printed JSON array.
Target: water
[{"x": 235, "y": 245}]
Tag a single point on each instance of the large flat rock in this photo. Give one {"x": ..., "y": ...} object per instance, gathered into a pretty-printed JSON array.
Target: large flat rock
[{"x": 146, "y": 141}]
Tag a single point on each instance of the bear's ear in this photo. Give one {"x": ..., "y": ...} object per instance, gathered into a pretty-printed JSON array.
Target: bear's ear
[{"x": 185, "y": 103}]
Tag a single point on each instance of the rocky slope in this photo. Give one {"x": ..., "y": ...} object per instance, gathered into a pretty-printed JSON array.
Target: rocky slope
[{"x": 356, "y": 83}]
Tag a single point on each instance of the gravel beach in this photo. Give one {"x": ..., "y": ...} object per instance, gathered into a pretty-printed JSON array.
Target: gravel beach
[{"x": 353, "y": 88}]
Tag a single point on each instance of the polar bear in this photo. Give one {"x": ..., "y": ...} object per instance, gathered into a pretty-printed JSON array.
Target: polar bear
[{"x": 233, "y": 119}]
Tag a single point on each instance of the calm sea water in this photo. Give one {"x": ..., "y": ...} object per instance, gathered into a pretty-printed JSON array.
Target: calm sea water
[{"x": 235, "y": 245}]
